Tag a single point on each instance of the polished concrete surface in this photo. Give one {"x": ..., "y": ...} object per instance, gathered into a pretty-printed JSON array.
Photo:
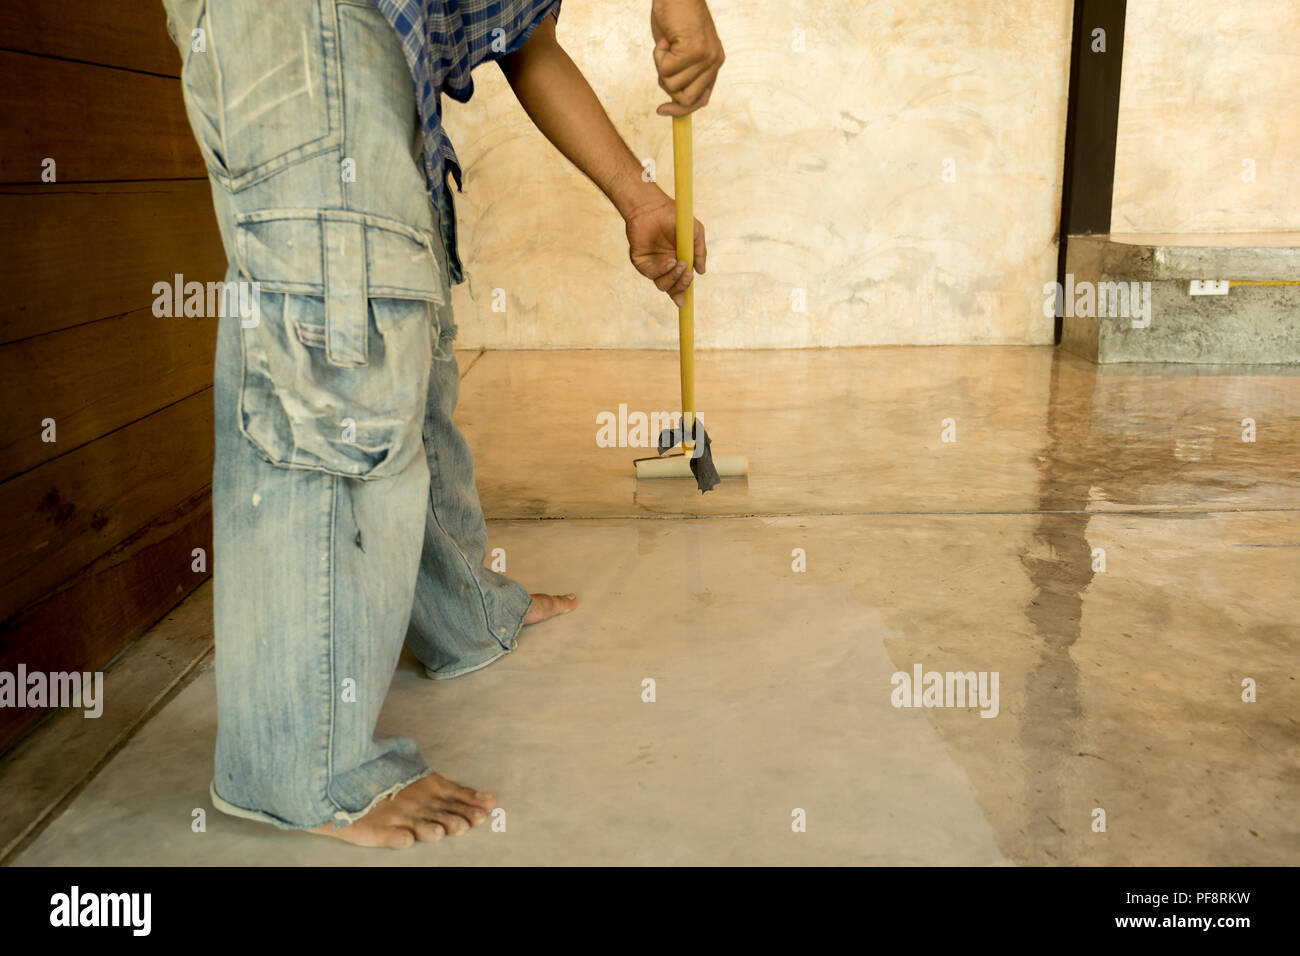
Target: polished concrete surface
[{"x": 1119, "y": 683}]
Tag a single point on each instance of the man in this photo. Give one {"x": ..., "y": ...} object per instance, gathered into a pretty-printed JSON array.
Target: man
[{"x": 346, "y": 520}]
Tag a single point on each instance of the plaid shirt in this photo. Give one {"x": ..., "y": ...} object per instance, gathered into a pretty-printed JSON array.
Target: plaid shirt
[{"x": 443, "y": 41}]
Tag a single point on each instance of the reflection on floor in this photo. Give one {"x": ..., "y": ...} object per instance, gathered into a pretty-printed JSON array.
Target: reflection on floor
[{"x": 1108, "y": 543}]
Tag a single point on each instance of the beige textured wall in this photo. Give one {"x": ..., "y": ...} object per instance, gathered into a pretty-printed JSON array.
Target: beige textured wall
[
  {"x": 821, "y": 171},
  {"x": 1207, "y": 84}
]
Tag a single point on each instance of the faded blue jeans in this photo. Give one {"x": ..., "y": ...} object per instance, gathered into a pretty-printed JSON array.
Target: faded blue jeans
[{"x": 345, "y": 516}]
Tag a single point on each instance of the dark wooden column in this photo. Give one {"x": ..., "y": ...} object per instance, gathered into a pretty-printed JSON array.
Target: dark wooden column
[{"x": 1091, "y": 123}]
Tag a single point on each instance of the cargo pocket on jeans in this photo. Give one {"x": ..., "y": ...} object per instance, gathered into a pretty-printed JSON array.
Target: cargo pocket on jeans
[{"x": 336, "y": 364}]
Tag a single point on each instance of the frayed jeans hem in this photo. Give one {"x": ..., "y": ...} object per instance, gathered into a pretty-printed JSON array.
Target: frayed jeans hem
[{"x": 341, "y": 818}]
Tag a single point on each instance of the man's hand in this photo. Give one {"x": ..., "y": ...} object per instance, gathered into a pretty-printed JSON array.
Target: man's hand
[
  {"x": 561, "y": 103},
  {"x": 652, "y": 247},
  {"x": 688, "y": 53}
]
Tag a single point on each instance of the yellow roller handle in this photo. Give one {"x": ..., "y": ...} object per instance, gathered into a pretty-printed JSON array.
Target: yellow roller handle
[{"x": 682, "y": 187}]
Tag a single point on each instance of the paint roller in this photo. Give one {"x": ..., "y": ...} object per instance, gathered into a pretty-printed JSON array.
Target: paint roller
[{"x": 696, "y": 459}]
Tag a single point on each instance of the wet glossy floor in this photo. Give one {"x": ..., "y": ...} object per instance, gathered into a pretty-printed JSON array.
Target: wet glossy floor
[{"x": 1102, "y": 540}]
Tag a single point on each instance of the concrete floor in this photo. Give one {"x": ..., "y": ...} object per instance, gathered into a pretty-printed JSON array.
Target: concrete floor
[{"x": 1119, "y": 689}]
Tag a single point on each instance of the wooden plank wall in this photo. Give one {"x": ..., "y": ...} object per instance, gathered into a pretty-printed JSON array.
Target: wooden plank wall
[{"x": 99, "y": 526}]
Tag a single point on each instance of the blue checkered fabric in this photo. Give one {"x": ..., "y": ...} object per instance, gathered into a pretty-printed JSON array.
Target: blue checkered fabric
[{"x": 444, "y": 40}]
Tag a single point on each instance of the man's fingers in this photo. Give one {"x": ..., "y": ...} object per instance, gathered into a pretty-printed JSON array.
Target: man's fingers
[
  {"x": 665, "y": 267},
  {"x": 666, "y": 283},
  {"x": 688, "y": 101},
  {"x": 657, "y": 269},
  {"x": 683, "y": 280},
  {"x": 688, "y": 67},
  {"x": 670, "y": 61},
  {"x": 696, "y": 93},
  {"x": 672, "y": 109},
  {"x": 683, "y": 106},
  {"x": 701, "y": 253},
  {"x": 673, "y": 83},
  {"x": 678, "y": 292}
]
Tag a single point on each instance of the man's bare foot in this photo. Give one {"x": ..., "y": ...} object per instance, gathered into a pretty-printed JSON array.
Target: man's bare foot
[
  {"x": 546, "y": 606},
  {"x": 427, "y": 810}
]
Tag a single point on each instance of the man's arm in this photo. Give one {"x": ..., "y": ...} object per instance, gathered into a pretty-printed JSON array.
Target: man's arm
[{"x": 560, "y": 102}]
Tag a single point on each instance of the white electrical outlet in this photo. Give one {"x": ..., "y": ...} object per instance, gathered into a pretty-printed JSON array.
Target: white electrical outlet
[{"x": 1208, "y": 287}]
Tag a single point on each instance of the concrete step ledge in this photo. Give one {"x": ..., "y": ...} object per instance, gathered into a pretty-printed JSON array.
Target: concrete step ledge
[{"x": 1162, "y": 321}]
